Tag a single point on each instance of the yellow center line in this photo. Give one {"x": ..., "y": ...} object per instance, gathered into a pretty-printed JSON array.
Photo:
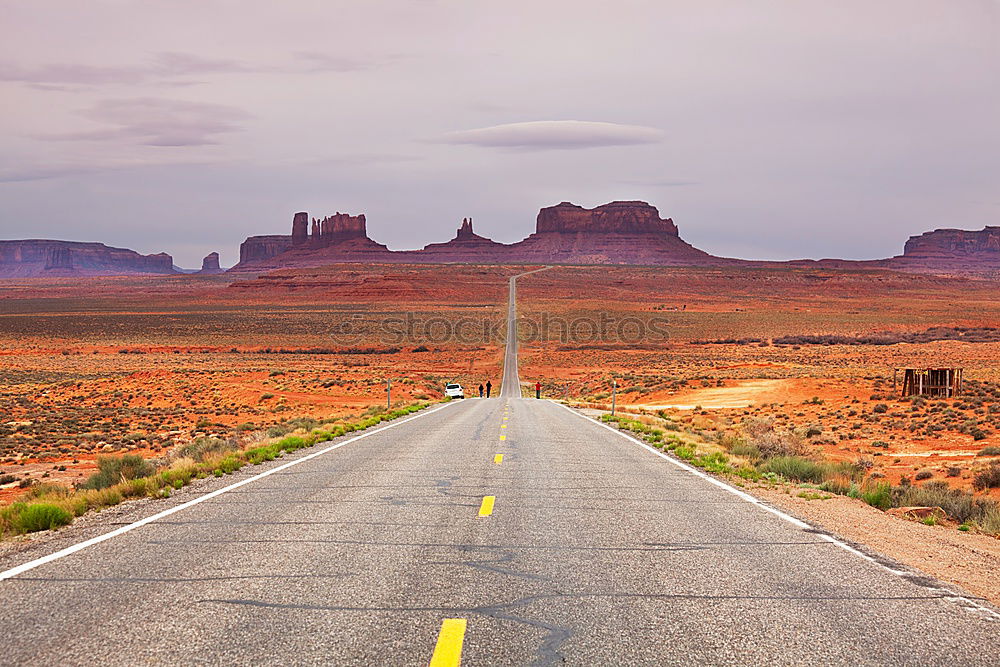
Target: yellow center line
[
  {"x": 448, "y": 652},
  {"x": 503, "y": 437},
  {"x": 503, "y": 426},
  {"x": 486, "y": 508},
  {"x": 498, "y": 459}
]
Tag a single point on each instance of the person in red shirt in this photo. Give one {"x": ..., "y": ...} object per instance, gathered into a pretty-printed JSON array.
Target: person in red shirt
[{"x": 538, "y": 390}]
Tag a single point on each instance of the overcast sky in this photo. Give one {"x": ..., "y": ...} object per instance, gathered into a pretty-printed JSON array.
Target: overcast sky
[{"x": 765, "y": 129}]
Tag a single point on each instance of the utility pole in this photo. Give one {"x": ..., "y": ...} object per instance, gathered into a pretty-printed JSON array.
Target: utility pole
[
  {"x": 614, "y": 395},
  {"x": 388, "y": 394}
]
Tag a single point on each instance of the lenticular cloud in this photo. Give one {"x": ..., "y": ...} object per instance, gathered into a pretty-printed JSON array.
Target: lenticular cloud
[{"x": 556, "y": 134}]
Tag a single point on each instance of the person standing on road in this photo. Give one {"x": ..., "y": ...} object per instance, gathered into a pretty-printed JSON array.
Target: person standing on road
[
  {"x": 538, "y": 390},
  {"x": 480, "y": 390},
  {"x": 489, "y": 386}
]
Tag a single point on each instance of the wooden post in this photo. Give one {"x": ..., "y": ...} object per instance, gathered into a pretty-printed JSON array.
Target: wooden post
[
  {"x": 614, "y": 392},
  {"x": 388, "y": 394}
]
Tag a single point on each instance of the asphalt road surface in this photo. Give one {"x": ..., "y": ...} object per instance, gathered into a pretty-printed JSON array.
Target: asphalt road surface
[
  {"x": 514, "y": 529},
  {"x": 510, "y": 386}
]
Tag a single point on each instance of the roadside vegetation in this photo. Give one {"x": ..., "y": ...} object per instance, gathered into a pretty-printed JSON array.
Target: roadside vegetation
[
  {"x": 759, "y": 452},
  {"x": 46, "y": 506}
]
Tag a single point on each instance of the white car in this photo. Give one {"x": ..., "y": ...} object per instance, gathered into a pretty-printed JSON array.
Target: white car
[{"x": 454, "y": 390}]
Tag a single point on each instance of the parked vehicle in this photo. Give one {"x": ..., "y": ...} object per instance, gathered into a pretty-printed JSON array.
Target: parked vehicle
[{"x": 454, "y": 390}]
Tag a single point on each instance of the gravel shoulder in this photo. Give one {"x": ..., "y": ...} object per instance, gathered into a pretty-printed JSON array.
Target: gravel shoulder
[{"x": 968, "y": 560}]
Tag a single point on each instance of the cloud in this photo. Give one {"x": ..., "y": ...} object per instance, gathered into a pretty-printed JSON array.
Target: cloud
[
  {"x": 555, "y": 135},
  {"x": 315, "y": 61},
  {"x": 72, "y": 74},
  {"x": 167, "y": 66},
  {"x": 171, "y": 63},
  {"x": 158, "y": 122}
]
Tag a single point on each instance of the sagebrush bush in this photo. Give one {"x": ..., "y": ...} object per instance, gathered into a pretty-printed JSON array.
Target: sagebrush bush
[
  {"x": 114, "y": 469},
  {"x": 987, "y": 479},
  {"x": 199, "y": 448},
  {"x": 956, "y": 503},
  {"x": 28, "y": 518},
  {"x": 877, "y": 494},
  {"x": 797, "y": 468},
  {"x": 770, "y": 441}
]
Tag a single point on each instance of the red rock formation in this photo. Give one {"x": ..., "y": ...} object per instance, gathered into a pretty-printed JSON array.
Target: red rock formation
[
  {"x": 953, "y": 244},
  {"x": 466, "y": 247},
  {"x": 622, "y": 232},
  {"x": 42, "y": 257},
  {"x": 338, "y": 227},
  {"x": 618, "y": 217},
  {"x": 210, "y": 264},
  {"x": 625, "y": 232},
  {"x": 261, "y": 248},
  {"x": 300, "y": 228}
]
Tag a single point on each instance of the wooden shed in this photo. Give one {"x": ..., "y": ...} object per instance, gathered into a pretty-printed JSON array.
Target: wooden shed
[{"x": 943, "y": 382}]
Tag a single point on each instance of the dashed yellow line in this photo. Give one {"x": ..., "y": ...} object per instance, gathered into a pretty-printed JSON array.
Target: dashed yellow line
[
  {"x": 503, "y": 426},
  {"x": 498, "y": 459},
  {"x": 486, "y": 508},
  {"x": 503, "y": 437},
  {"x": 448, "y": 652}
]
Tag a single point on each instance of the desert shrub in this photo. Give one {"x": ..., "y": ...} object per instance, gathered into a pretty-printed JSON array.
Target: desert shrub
[
  {"x": 987, "y": 479},
  {"x": 28, "y": 518},
  {"x": 745, "y": 449},
  {"x": 199, "y": 448},
  {"x": 880, "y": 408},
  {"x": 923, "y": 474},
  {"x": 7, "y": 479},
  {"x": 716, "y": 462},
  {"x": 992, "y": 450},
  {"x": 796, "y": 468},
  {"x": 48, "y": 489},
  {"x": 956, "y": 503},
  {"x": 306, "y": 423},
  {"x": 877, "y": 494},
  {"x": 770, "y": 441},
  {"x": 989, "y": 522},
  {"x": 114, "y": 469},
  {"x": 840, "y": 485}
]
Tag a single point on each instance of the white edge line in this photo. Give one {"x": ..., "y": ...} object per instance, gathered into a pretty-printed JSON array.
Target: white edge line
[
  {"x": 62, "y": 553},
  {"x": 778, "y": 513}
]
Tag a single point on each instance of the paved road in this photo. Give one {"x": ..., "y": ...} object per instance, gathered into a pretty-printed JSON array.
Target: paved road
[
  {"x": 596, "y": 551},
  {"x": 510, "y": 386}
]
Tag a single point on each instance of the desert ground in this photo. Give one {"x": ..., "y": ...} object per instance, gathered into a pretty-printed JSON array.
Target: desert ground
[{"x": 144, "y": 365}]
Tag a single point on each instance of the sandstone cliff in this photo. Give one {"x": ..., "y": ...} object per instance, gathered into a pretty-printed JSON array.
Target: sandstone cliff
[
  {"x": 260, "y": 248},
  {"x": 619, "y": 217},
  {"x": 622, "y": 232},
  {"x": 951, "y": 244},
  {"x": 43, "y": 257}
]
